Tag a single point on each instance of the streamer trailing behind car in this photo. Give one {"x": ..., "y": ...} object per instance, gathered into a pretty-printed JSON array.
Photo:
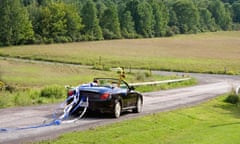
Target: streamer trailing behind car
[{"x": 107, "y": 95}]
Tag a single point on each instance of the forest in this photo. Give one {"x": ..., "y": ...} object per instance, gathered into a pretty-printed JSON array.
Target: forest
[{"x": 61, "y": 21}]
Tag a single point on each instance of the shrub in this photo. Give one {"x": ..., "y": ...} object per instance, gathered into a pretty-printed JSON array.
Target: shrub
[
  {"x": 22, "y": 99},
  {"x": 53, "y": 92},
  {"x": 4, "y": 99},
  {"x": 34, "y": 96},
  {"x": 140, "y": 76},
  {"x": 148, "y": 73},
  {"x": 233, "y": 98}
]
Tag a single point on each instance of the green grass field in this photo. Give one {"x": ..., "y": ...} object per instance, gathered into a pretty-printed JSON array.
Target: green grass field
[
  {"x": 24, "y": 74},
  {"x": 37, "y": 75},
  {"x": 28, "y": 81},
  {"x": 213, "y": 122},
  {"x": 207, "y": 52}
]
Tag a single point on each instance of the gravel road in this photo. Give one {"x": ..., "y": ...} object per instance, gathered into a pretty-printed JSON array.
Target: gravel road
[{"x": 210, "y": 86}]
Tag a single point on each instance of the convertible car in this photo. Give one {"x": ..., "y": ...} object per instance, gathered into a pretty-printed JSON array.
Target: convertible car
[{"x": 106, "y": 95}]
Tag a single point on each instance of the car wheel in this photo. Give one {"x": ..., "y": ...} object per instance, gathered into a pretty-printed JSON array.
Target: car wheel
[
  {"x": 139, "y": 106},
  {"x": 117, "y": 110}
]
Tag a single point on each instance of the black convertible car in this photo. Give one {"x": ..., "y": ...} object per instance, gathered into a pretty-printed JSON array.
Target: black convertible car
[{"x": 105, "y": 95}]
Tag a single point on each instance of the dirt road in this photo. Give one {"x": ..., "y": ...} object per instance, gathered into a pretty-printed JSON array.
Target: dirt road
[{"x": 210, "y": 86}]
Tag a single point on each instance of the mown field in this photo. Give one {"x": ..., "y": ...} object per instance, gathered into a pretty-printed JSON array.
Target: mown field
[
  {"x": 207, "y": 52},
  {"x": 36, "y": 75},
  {"x": 214, "y": 122},
  {"x": 24, "y": 74}
]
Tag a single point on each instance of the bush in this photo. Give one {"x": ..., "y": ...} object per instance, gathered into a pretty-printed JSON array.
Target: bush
[
  {"x": 108, "y": 34},
  {"x": 53, "y": 92},
  {"x": 4, "y": 99},
  {"x": 140, "y": 76},
  {"x": 25, "y": 97},
  {"x": 236, "y": 26},
  {"x": 148, "y": 73},
  {"x": 233, "y": 98},
  {"x": 34, "y": 96},
  {"x": 171, "y": 31},
  {"x": 21, "y": 99}
]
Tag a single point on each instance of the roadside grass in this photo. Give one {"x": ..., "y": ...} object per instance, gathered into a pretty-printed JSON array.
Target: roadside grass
[
  {"x": 43, "y": 83},
  {"x": 46, "y": 95},
  {"x": 150, "y": 88},
  {"x": 212, "y": 122},
  {"x": 206, "y": 52}
]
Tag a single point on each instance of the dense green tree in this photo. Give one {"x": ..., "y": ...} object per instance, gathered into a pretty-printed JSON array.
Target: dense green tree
[
  {"x": 76, "y": 3},
  {"x": 52, "y": 24},
  {"x": 132, "y": 7},
  {"x": 236, "y": 11},
  {"x": 27, "y": 2},
  {"x": 16, "y": 27},
  {"x": 127, "y": 25},
  {"x": 35, "y": 17},
  {"x": 187, "y": 16},
  {"x": 221, "y": 15},
  {"x": 44, "y": 2},
  {"x": 5, "y": 21},
  {"x": 172, "y": 17},
  {"x": 58, "y": 22},
  {"x": 145, "y": 22},
  {"x": 161, "y": 18},
  {"x": 101, "y": 7},
  {"x": 91, "y": 29},
  {"x": 47, "y": 21},
  {"x": 207, "y": 23},
  {"x": 110, "y": 23},
  {"x": 74, "y": 23},
  {"x": 228, "y": 1}
]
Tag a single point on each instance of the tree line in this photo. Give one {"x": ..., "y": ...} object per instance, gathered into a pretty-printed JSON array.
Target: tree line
[{"x": 54, "y": 21}]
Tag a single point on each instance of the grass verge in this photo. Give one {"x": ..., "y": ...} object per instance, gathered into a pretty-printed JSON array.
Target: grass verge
[
  {"x": 212, "y": 122},
  {"x": 150, "y": 88},
  {"x": 26, "y": 97}
]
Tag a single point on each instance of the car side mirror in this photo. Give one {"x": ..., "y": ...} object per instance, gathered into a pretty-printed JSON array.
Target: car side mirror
[{"x": 132, "y": 88}]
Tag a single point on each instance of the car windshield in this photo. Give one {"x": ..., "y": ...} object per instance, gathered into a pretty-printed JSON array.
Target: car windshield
[{"x": 108, "y": 82}]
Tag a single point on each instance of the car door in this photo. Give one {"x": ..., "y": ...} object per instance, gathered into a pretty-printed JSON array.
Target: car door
[
  {"x": 129, "y": 98},
  {"x": 132, "y": 97}
]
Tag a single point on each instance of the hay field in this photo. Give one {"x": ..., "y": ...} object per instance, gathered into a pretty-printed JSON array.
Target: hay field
[{"x": 217, "y": 52}]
